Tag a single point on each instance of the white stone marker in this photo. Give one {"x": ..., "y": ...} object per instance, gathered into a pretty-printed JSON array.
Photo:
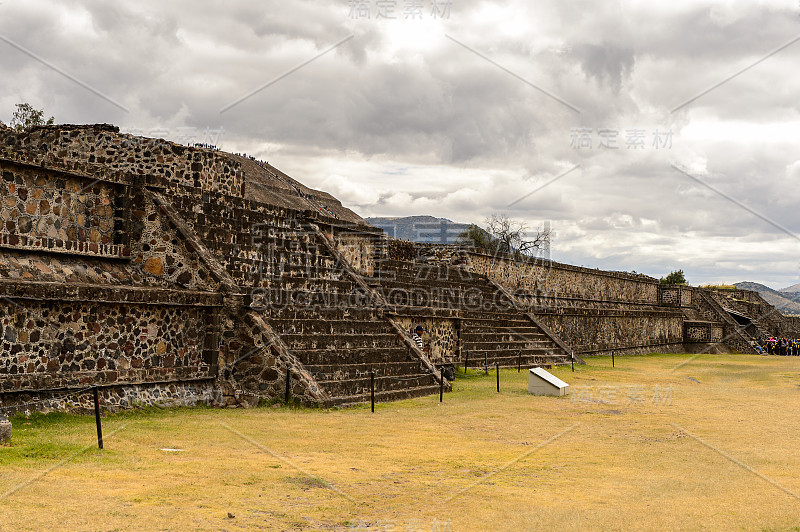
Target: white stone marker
[{"x": 541, "y": 382}]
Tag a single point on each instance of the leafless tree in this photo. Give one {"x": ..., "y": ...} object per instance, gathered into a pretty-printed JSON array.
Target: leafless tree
[{"x": 512, "y": 235}]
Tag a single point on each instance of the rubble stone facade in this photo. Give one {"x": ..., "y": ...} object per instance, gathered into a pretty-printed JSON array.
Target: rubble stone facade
[{"x": 165, "y": 274}]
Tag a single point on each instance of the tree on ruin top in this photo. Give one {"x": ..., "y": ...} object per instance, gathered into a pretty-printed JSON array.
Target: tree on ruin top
[
  {"x": 26, "y": 117},
  {"x": 504, "y": 235},
  {"x": 675, "y": 277}
]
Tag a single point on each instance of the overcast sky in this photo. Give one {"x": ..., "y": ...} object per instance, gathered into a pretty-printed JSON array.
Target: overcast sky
[{"x": 466, "y": 108}]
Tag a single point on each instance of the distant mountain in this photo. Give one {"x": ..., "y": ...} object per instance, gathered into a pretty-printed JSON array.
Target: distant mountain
[
  {"x": 420, "y": 228},
  {"x": 787, "y": 302},
  {"x": 794, "y": 289}
]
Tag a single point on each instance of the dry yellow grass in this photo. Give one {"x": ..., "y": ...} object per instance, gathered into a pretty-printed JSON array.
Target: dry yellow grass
[{"x": 710, "y": 445}]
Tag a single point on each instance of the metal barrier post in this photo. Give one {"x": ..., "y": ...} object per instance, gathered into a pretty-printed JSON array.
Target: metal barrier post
[
  {"x": 96, "y": 394},
  {"x": 288, "y": 390},
  {"x": 372, "y": 389}
]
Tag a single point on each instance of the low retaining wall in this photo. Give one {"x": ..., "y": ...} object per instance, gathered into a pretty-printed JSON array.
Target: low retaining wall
[
  {"x": 601, "y": 331},
  {"x": 115, "y": 397}
]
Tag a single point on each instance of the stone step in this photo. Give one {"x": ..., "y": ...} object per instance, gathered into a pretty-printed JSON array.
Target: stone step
[
  {"x": 268, "y": 263},
  {"x": 462, "y": 301},
  {"x": 340, "y": 341},
  {"x": 309, "y": 300},
  {"x": 266, "y": 220},
  {"x": 430, "y": 274},
  {"x": 499, "y": 350},
  {"x": 509, "y": 346},
  {"x": 356, "y": 314},
  {"x": 326, "y": 372},
  {"x": 515, "y": 333},
  {"x": 359, "y": 386},
  {"x": 456, "y": 282},
  {"x": 269, "y": 271},
  {"x": 314, "y": 284},
  {"x": 391, "y": 264},
  {"x": 317, "y": 326},
  {"x": 495, "y": 319},
  {"x": 494, "y": 339},
  {"x": 276, "y": 237},
  {"x": 511, "y": 362},
  {"x": 364, "y": 355},
  {"x": 476, "y": 358},
  {"x": 285, "y": 240},
  {"x": 385, "y": 396}
]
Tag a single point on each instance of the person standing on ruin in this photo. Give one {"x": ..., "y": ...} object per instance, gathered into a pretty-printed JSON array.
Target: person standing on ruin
[{"x": 417, "y": 336}]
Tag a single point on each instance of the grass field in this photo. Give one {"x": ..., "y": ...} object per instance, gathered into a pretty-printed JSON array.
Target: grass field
[{"x": 659, "y": 442}]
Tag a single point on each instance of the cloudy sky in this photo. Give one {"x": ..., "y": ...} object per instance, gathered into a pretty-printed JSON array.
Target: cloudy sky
[{"x": 651, "y": 135}]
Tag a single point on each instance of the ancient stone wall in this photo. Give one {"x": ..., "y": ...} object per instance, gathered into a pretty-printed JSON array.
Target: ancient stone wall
[
  {"x": 73, "y": 318},
  {"x": 359, "y": 248},
  {"x": 750, "y": 303},
  {"x": 115, "y": 397},
  {"x": 62, "y": 344},
  {"x": 793, "y": 323},
  {"x": 556, "y": 280},
  {"x": 674, "y": 296},
  {"x": 58, "y": 212},
  {"x": 133, "y": 264},
  {"x": 102, "y": 152},
  {"x": 255, "y": 242},
  {"x": 401, "y": 250},
  {"x": 441, "y": 339},
  {"x": 252, "y": 367},
  {"x": 598, "y": 331},
  {"x": 161, "y": 254},
  {"x": 702, "y": 332}
]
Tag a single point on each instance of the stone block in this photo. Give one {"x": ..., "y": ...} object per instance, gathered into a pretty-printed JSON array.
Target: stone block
[
  {"x": 542, "y": 382},
  {"x": 5, "y": 429}
]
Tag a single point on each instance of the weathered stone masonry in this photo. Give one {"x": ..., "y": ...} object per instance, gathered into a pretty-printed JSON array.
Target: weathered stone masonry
[
  {"x": 167, "y": 276},
  {"x": 598, "y": 312},
  {"x": 176, "y": 275}
]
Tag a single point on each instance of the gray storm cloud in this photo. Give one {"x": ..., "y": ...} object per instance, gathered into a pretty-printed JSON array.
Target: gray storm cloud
[{"x": 402, "y": 120}]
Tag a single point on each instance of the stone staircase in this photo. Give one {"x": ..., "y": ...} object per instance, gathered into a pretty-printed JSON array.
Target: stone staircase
[
  {"x": 340, "y": 348},
  {"x": 509, "y": 340},
  {"x": 492, "y": 329},
  {"x": 329, "y": 326},
  {"x": 333, "y": 328},
  {"x": 733, "y": 333}
]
